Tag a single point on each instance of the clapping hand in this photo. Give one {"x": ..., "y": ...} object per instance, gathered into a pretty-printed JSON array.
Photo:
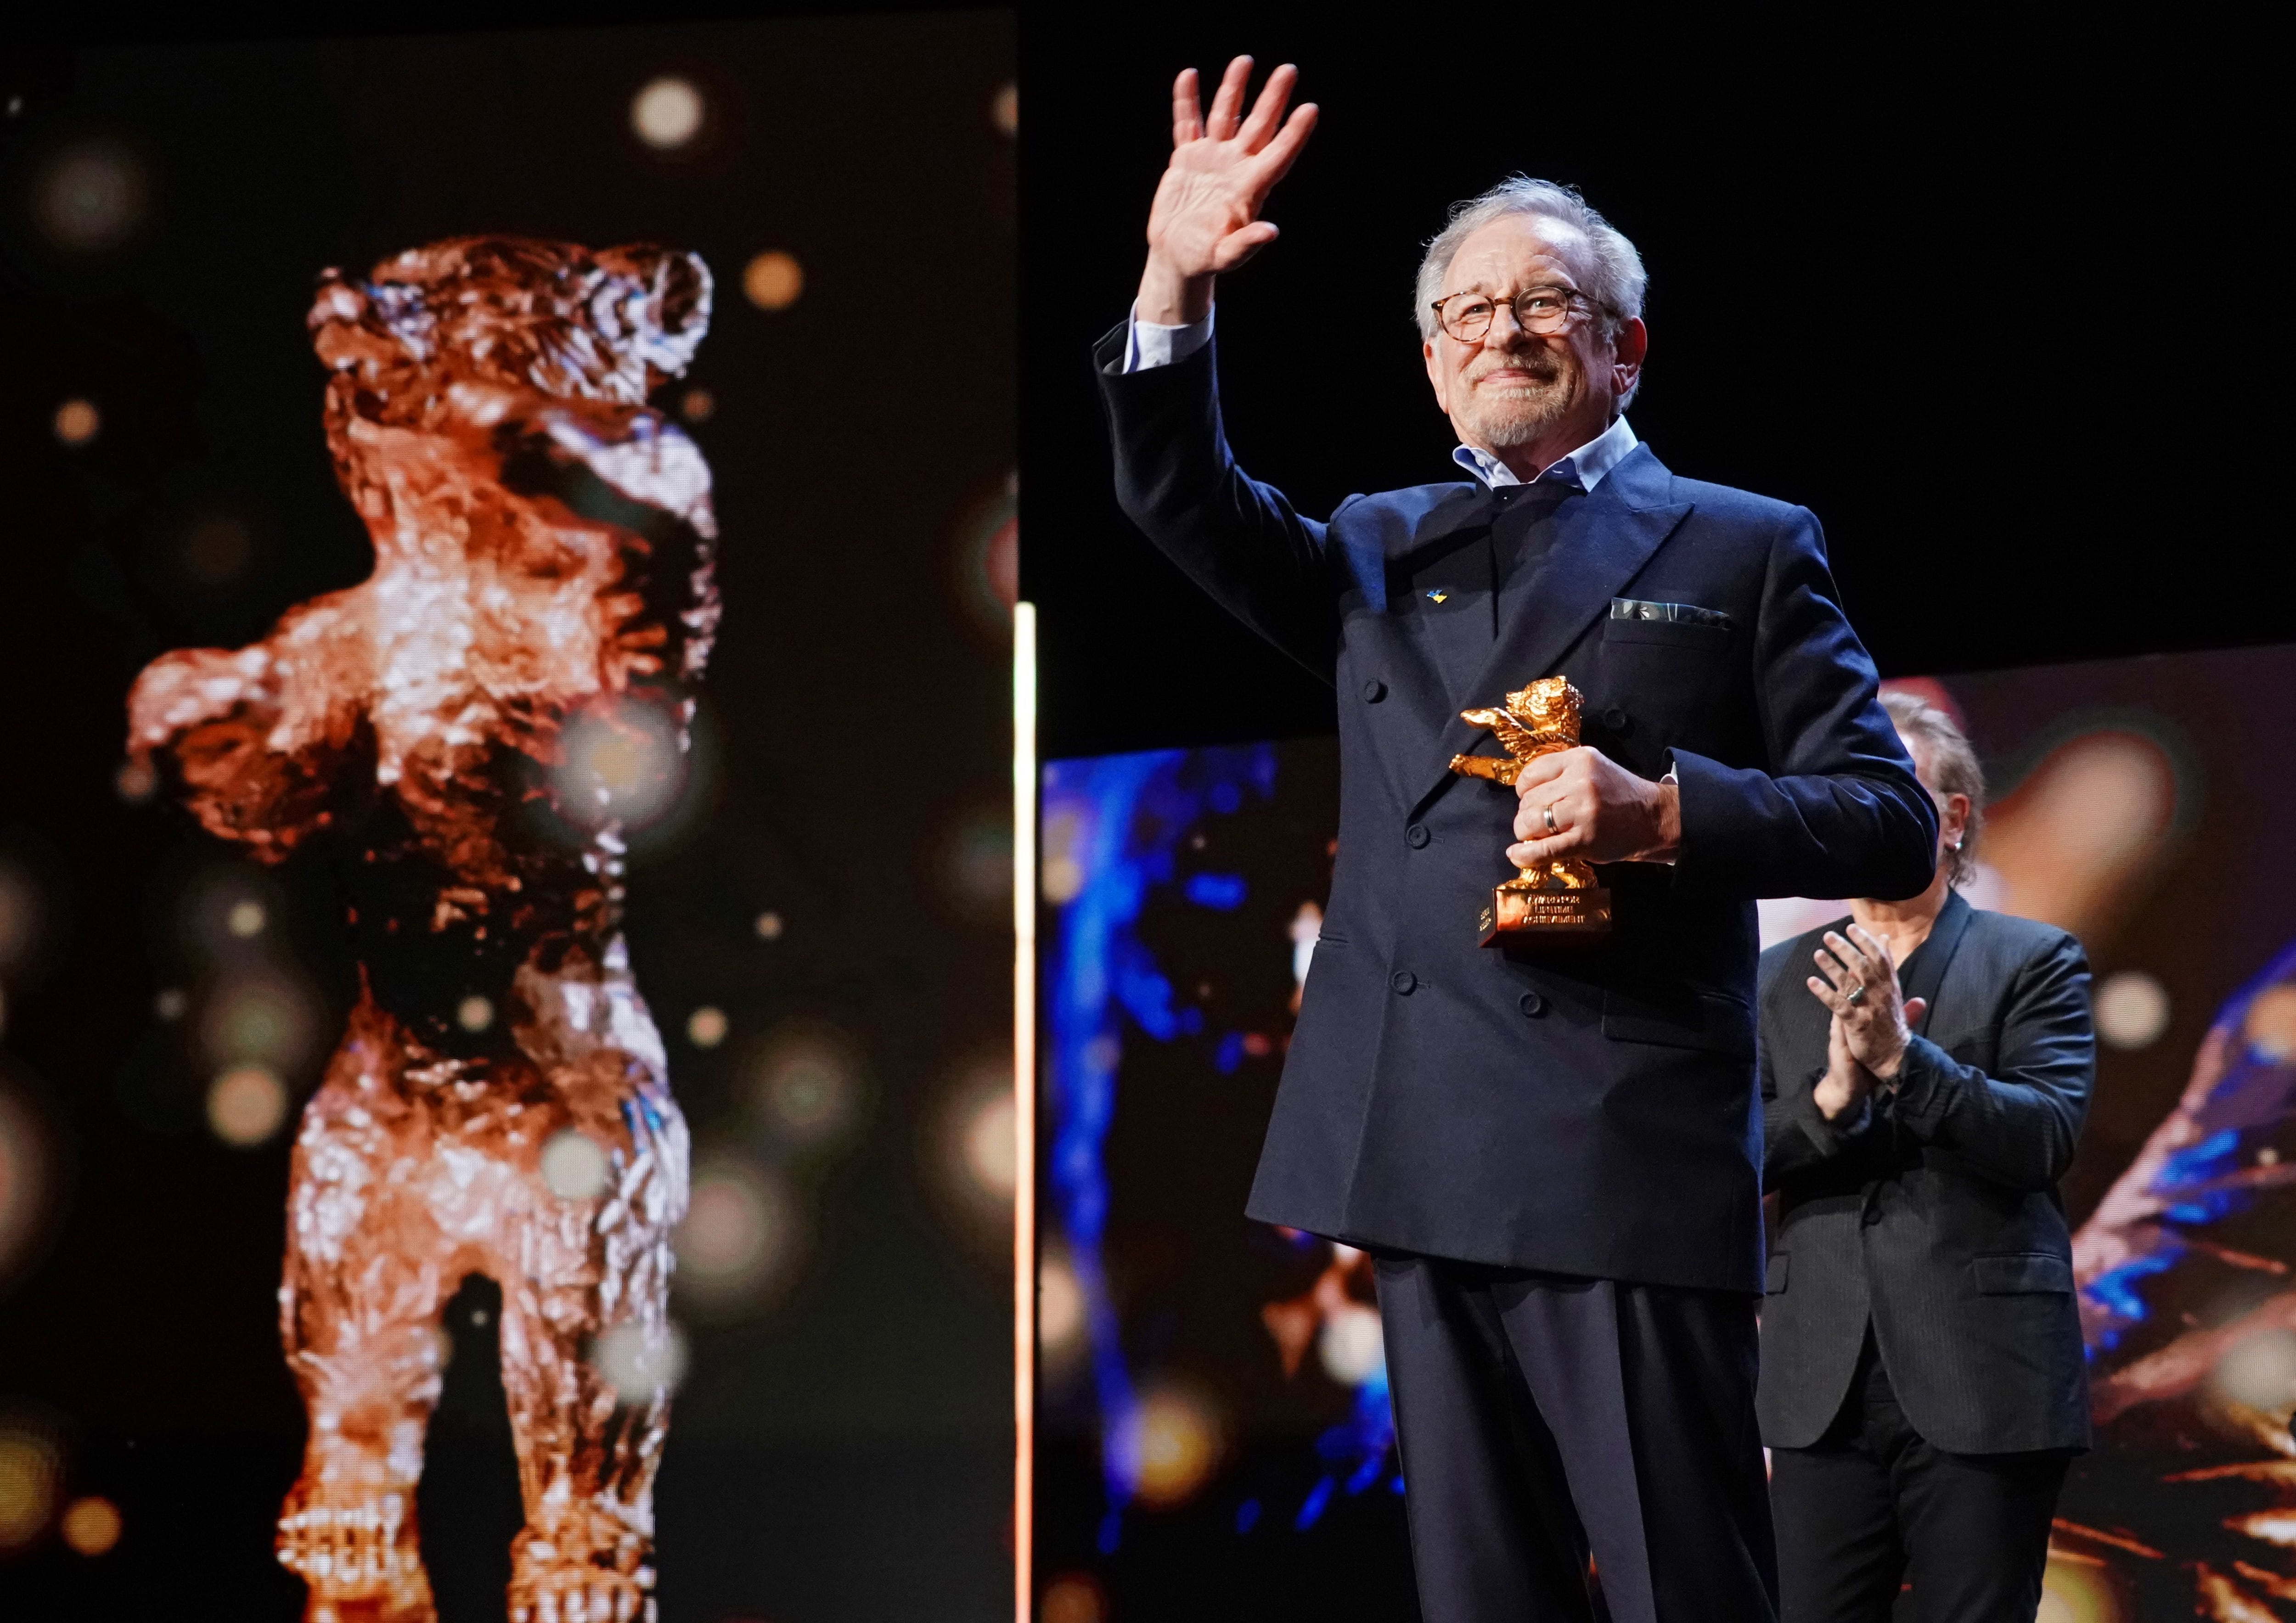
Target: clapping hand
[
  {"x": 1206, "y": 216},
  {"x": 1874, "y": 1018},
  {"x": 1846, "y": 1085}
]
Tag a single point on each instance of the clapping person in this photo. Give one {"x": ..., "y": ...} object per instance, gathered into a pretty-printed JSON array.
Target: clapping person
[{"x": 1926, "y": 1069}]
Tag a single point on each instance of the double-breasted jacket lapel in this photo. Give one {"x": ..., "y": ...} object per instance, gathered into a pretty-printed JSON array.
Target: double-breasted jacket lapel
[
  {"x": 1600, "y": 544},
  {"x": 1944, "y": 941}
]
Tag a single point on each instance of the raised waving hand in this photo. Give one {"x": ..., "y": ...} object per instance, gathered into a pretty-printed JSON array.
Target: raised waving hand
[{"x": 1206, "y": 216}]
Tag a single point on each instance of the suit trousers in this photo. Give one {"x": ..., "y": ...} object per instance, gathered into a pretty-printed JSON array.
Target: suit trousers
[
  {"x": 1870, "y": 1505},
  {"x": 1545, "y": 1420}
]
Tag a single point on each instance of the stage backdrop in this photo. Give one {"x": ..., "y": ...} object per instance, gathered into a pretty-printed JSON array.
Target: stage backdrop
[
  {"x": 1216, "y": 1439},
  {"x": 808, "y": 473}
]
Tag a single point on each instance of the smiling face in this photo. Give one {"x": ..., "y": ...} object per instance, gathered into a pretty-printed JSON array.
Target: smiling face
[{"x": 1527, "y": 398}]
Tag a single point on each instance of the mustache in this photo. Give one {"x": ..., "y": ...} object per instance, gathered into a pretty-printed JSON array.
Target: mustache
[{"x": 1543, "y": 365}]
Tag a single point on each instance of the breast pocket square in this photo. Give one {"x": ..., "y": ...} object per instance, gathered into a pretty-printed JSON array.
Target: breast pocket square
[{"x": 1672, "y": 614}]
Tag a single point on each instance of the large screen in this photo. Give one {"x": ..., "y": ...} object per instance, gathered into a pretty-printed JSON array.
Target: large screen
[
  {"x": 1216, "y": 1439},
  {"x": 504, "y": 1078}
]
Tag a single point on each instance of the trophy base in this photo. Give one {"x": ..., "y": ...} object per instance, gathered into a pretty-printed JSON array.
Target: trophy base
[{"x": 1523, "y": 916}]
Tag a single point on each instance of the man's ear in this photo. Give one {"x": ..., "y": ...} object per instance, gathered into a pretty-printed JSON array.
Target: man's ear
[
  {"x": 1628, "y": 345},
  {"x": 1437, "y": 377},
  {"x": 1956, "y": 808}
]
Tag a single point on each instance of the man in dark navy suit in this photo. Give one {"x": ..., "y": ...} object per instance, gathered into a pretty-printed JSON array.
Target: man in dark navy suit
[{"x": 1555, "y": 1155}]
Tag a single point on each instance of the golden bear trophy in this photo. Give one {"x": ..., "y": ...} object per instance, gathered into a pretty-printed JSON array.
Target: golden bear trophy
[{"x": 1556, "y": 900}]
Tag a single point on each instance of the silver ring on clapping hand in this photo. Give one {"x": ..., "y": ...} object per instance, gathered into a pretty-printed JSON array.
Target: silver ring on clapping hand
[
  {"x": 1548, "y": 812},
  {"x": 1856, "y": 994}
]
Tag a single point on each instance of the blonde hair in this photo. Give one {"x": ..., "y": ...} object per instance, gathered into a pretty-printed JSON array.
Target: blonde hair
[{"x": 1953, "y": 769}]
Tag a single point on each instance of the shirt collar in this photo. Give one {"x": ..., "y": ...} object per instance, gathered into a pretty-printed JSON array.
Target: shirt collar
[{"x": 1584, "y": 467}]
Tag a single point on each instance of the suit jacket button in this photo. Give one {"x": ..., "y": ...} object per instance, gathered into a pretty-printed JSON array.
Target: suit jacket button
[
  {"x": 1531, "y": 1003},
  {"x": 1403, "y": 981},
  {"x": 1616, "y": 719},
  {"x": 1375, "y": 690},
  {"x": 1415, "y": 836}
]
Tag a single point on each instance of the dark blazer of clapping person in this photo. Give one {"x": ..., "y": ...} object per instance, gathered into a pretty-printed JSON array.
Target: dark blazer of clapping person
[
  {"x": 1925, "y": 1069},
  {"x": 1553, "y": 1154}
]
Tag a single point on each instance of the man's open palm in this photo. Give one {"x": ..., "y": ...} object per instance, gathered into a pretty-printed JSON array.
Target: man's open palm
[{"x": 1206, "y": 217}]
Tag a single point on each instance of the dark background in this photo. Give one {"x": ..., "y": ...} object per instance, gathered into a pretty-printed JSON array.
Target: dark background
[
  {"x": 843, "y": 1451},
  {"x": 1993, "y": 300}
]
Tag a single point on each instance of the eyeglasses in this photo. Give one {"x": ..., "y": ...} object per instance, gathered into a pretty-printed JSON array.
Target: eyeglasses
[{"x": 1538, "y": 310}]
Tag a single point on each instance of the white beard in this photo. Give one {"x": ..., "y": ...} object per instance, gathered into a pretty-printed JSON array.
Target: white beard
[{"x": 1504, "y": 419}]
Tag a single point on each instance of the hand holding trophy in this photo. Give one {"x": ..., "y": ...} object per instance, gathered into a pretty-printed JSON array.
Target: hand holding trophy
[{"x": 1555, "y": 900}]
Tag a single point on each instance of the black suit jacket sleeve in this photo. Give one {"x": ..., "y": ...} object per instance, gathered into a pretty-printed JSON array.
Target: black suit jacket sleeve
[
  {"x": 2019, "y": 1125},
  {"x": 1240, "y": 540},
  {"x": 1796, "y": 1136},
  {"x": 1838, "y": 813}
]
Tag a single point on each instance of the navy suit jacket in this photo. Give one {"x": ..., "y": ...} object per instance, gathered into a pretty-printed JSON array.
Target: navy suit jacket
[{"x": 1586, "y": 1111}]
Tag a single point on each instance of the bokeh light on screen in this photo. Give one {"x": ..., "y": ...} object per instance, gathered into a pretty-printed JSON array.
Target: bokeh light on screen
[
  {"x": 976, "y": 865},
  {"x": 622, "y": 764},
  {"x": 1168, "y": 1447},
  {"x": 1349, "y": 1346},
  {"x": 2259, "y": 1369},
  {"x": 91, "y": 1525},
  {"x": 1004, "y": 110},
  {"x": 2077, "y": 1591},
  {"x": 697, "y": 405},
  {"x": 666, "y": 113},
  {"x": 77, "y": 423},
  {"x": 2067, "y": 837},
  {"x": 640, "y": 1364},
  {"x": 229, "y": 914},
  {"x": 707, "y": 1026},
  {"x": 474, "y": 1014},
  {"x": 247, "y": 1105},
  {"x": 213, "y": 552},
  {"x": 986, "y": 557},
  {"x": 1061, "y": 871},
  {"x": 773, "y": 280},
  {"x": 992, "y": 1146},
  {"x": 1073, "y": 1597},
  {"x": 172, "y": 1004},
  {"x": 137, "y": 781},
  {"x": 23, "y": 914},
  {"x": 2270, "y": 1027},
  {"x": 2132, "y": 1009},
  {"x": 769, "y": 927},
  {"x": 24, "y": 1179},
  {"x": 739, "y": 1235},
  {"x": 573, "y": 1166},
  {"x": 1059, "y": 1314},
  {"x": 808, "y": 1087},
  {"x": 264, "y": 1019},
  {"x": 972, "y": 1154},
  {"x": 29, "y": 1470},
  {"x": 91, "y": 196}
]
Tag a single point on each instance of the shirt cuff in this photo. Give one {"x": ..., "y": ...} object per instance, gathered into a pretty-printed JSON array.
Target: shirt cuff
[
  {"x": 1674, "y": 778},
  {"x": 1148, "y": 345}
]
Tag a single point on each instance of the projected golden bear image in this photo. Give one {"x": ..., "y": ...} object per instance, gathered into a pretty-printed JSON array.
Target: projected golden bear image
[{"x": 472, "y": 730}]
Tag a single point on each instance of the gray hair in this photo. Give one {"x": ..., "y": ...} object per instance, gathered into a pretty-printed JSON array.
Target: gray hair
[
  {"x": 1953, "y": 768},
  {"x": 1615, "y": 277}
]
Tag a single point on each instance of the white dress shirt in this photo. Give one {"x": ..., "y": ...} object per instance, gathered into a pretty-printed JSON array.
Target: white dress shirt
[{"x": 1148, "y": 344}]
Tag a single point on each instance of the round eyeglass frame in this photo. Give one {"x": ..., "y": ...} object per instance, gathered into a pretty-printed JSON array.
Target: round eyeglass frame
[{"x": 1573, "y": 302}]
